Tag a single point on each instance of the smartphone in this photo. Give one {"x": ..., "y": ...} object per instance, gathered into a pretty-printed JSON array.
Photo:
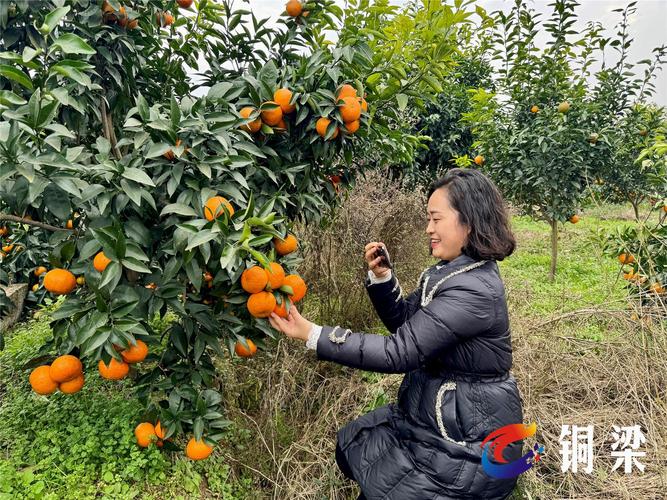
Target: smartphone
[{"x": 381, "y": 252}]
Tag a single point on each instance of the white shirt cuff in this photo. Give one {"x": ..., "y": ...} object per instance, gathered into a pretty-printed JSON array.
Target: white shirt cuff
[
  {"x": 313, "y": 336},
  {"x": 374, "y": 279}
]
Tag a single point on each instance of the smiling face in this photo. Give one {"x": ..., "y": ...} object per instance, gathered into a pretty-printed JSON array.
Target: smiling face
[{"x": 447, "y": 235}]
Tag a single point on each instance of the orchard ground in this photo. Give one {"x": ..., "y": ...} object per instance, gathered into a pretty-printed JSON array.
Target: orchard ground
[{"x": 579, "y": 359}]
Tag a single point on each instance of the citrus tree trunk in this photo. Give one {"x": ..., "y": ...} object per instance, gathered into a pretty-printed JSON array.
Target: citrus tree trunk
[{"x": 554, "y": 249}]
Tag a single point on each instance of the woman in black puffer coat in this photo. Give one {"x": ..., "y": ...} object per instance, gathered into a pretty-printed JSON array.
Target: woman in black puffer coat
[{"x": 451, "y": 337}]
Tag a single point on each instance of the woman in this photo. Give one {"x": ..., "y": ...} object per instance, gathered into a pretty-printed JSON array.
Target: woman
[{"x": 451, "y": 337}]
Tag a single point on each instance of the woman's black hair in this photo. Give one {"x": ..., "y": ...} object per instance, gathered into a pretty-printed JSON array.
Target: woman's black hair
[{"x": 482, "y": 209}]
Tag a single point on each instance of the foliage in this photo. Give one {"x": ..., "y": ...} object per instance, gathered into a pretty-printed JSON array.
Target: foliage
[{"x": 136, "y": 157}]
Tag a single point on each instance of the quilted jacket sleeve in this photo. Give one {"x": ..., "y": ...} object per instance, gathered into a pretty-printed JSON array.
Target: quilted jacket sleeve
[
  {"x": 391, "y": 307},
  {"x": 455, "y": 314}
]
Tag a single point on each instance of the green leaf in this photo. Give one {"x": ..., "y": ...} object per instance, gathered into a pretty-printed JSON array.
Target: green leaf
[
  {"x": 402, "y": 101},
  {"x": 16, "y": 75},
  {"x": 29, "y": 54},
  {"x": 157, "y": 150},
  {"x": 136, "y": 175},
  {"x": 135, "y": 265},
  {"x": 9, "y": 98},
  {"x": 200, "y": 238},
  {"x": 70, "y": 43},
  {"x": 178, "y": 208},
  {"x": 111, "y": 275},
  {"x": 433, "y": 83},
  {"x": 68, "y": 69},
  {"x": 52, "y": 19}
]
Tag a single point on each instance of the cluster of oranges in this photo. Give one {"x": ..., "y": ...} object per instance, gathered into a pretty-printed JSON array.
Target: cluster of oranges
[
  {"x": 117, "y": 370},
  {"x": 121, "y": 17},
  {"x": 147, "y": 433},
  {"x": 272, "y": 113},
  {"x": 631, "y": 274},
  {"x": 64, "y": 374},
  {"x": 62, "y": 282},
  {"x": 350, "y": 106}
]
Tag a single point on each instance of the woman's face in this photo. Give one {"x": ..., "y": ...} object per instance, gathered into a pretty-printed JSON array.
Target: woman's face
[{"x": 447, "y": 235}]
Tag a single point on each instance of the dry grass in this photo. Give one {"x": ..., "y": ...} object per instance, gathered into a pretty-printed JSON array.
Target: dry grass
[{"x": 294, "y": 405}]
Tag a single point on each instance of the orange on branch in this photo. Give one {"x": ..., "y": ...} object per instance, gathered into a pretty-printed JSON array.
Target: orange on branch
[
  {"x": 214, "y": 207},
  {"x": 41, "y": 382},
  {"x": 115, "y": 370},
  {"x": 272, "y": 116},
  {"x": 72, "y": 386},
  {"x": 135, "y": 353},
  {"x": 255, "y": 279},
  {"x": 261, "y": 304},
  {"x": 145, "y": 434},
  {"x": 254, "y": 125},
  {"x": 198, "y": 450},
  {"x": 350, "y": 109},
  {"x": 294, "y": 8},
  {"x": 243, "y": 351},
  {"x": 101, "y": 261},
  {"x": 298, "y": 286},
  {"x": 283, "y": 96},
  {"x": 286, "y": 246},
  {"x": 276, "y": 275},
  {"x": 59, "y": 281},
  {"x": 65, "y": 368},
  {"x": 321, "y": 127}
]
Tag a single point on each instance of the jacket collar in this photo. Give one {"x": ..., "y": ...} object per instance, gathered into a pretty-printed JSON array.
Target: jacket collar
[{"x": 460, "y": 261}]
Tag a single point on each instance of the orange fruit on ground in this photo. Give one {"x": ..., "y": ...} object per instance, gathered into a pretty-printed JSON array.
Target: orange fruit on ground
[
  {"x": 115, "y": 370},
  {"x": 59, "y": 281},
  {"x": 184, "y": 4},
  {"x": 629, "y": 275},
  {"x": 254, "y": 125},
  {"x": 261, "y": 304},
  {"x": 283, "y": 96},
  {"x": 294, "y": 8},
  {"x": 213, "y": 207},
  {"x": 281, "y": 309},
  {"x": 479, "y": 160},
  {"x": 255, "y": 279},
  {"x": 198, "y": 450},
  {"x": 346, "y": 90},
  {"x": 286, "y": 246},
  {"x": 72, "y": 386},
  {"x": 101, "y": 261},
  {"x": 350, "y": 109},
  {"x": 145, "y": 433},
  {"x": 41, "y": 382},
  {"x": 135, "y": 353},
  {"x": 321, "y": 127},
  {"x": 574, "y": 219},
  {"x": 273, "y": 116},
  {"x": 298, "y": 286},
  {"x": 40, "y": 270},
  {"x": 65, "y": 368},
  {"x": 352, "y": 127},
  {"x": 243, "y": 351},
  {"x": 657, "y": 288},
  {"x": 534, "y": 109},
  {"x": 276, "y": 275},
  {"x": 626, "y": 258}
]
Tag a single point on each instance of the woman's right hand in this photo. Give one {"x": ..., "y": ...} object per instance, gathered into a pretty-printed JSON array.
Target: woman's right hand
[{"x": 375, "y": 264}]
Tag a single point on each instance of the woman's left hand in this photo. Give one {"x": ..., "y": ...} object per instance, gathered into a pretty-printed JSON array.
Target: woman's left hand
[{"x": 295, "y": 326}]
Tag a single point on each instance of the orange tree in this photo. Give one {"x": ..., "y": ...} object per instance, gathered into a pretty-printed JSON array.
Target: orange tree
[
  {"x": 543, "y": 135},
  {"x": 139, "y": 198}
]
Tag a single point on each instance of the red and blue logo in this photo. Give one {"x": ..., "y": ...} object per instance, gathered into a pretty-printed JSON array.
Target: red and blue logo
[{"x": 495, "y": 443}]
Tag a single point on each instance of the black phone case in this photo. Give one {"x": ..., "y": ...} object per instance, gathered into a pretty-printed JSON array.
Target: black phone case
[{"x": 380, "y": 251}]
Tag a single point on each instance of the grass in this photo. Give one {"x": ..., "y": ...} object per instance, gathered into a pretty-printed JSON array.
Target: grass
[{"x": 82, "y": 446}]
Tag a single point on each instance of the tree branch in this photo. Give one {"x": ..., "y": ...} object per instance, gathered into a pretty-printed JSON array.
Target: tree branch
[
  {"x": 15, "y": 218},
  {"x": 107, "y": 128}
]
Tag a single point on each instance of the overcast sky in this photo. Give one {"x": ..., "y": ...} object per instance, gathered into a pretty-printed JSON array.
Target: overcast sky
[{"x": 648, "y": 26}]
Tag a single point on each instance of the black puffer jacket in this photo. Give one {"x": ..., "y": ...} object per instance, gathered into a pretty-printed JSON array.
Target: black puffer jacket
[{"x": 456, "y": 353}]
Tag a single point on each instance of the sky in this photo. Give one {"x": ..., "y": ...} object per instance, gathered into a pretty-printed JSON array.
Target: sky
[{"x": 648, "y": 26}]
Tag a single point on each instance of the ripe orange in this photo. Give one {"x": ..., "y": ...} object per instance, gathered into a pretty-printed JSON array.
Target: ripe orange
[
  {"x": 135, "y": 353},
  {"x": 133, "y": 24},
  {"x": 184, "y": 4},
  {"x": 574, "y": 219},
  {"x": 122, "y": 17},
  {"x": 69, "y": 224},
  {"x": 254, "y": 125},
  {"x": 298, "y": 286},
  {"x": 479, "y": 160},
  {"x": 35, "y": 287},
  {"x": 72, "y": 386},
  {"x": 41, "y": 381},
  {"x": 3, "y": 230},
  {"x": 294, "y": 8},
  {"x": 214, "y": 207},
  {"x": 664, "y": 208},
  {"x": 261, "y": 304},
  {"x": 534, "y": 109},
  {"x": 243, "y": 351},
  {"x": 169, "y": 155},
  {"x": 145, "y": 433},
  {"x": 350, "y": 109},
  {"x": 286, "y": 246},
  {"x": 346, "y": 90},
  {"x": 564, "y": 107},
  {"x": 321, "y": 127},
  {"x": 65, "y": 368},
  {"x": 626, "y": 258},
  {"x": 40, "y": 270},
  {"x": 164, "y": 19},
  {"x": 273, "y": 116},
  {"x": 364, "y": 105},
  {"x": 283, "y": 96},
  {"x": 352, "y": 127},
  {"x": 8, "y": 248},
  {"x": 198, "y": 450},
  {"x": 255, "y": 279},
  {"x": 208, "y": 277},
  {"x": 116, "y": 370},
  {"x": 282, "y": 126},
  {"x": 629, "y": 275},
  {"x": 59, "y": 281},
  {"x": 159, "y": 431},
  {"x": 276, "y": 275},
  {"x": 101, "y": 261},
  {"x": 81, "y": 281},
  {"x": 281, "y": 309}
]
